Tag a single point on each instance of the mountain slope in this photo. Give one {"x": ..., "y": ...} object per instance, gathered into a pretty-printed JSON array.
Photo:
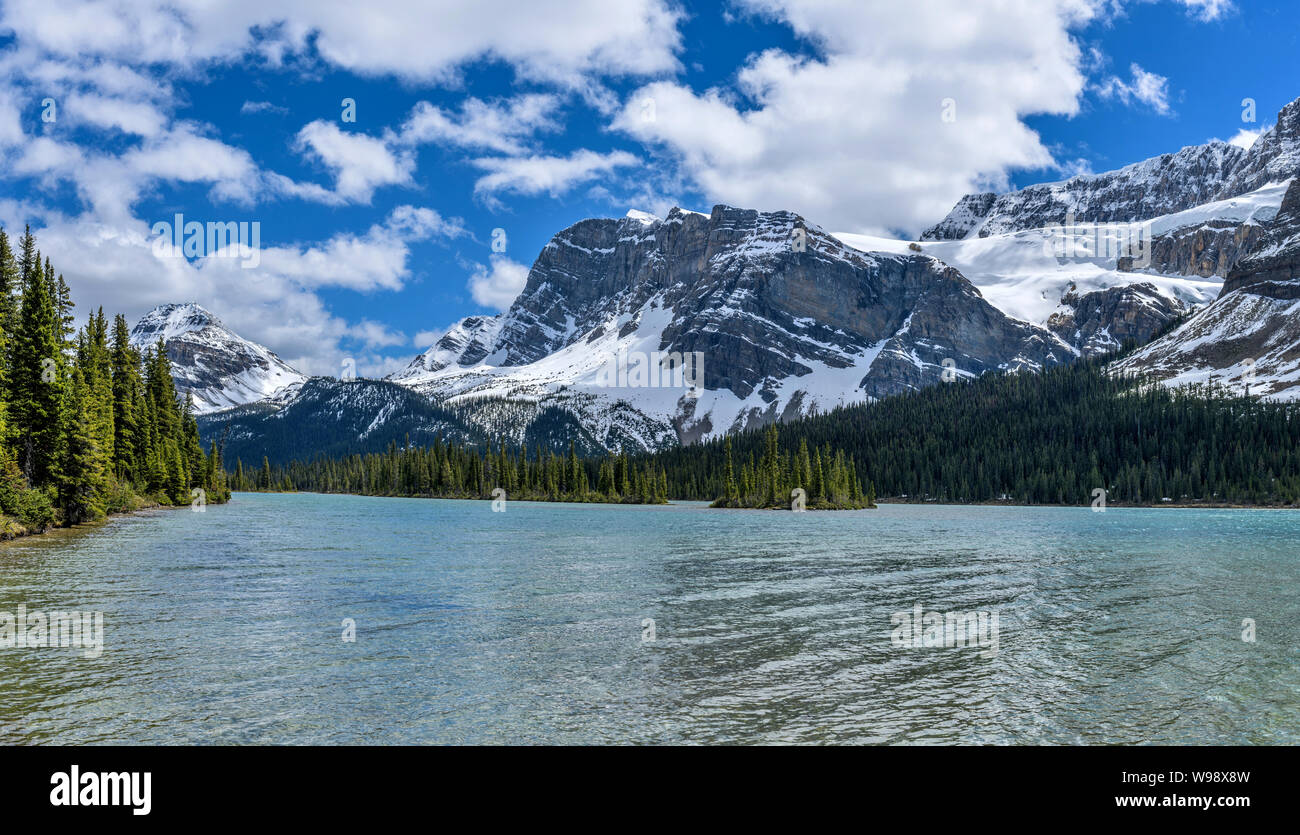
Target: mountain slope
[
  {"x": 1041, "y": 275},
  {"x": 787, "y": 320},
  {"x": 1249, "y": 338},
  {"x": 209, "y": 361},
  {"x": 324, "y": 416},
  {"x": 1158, "y": 186}
]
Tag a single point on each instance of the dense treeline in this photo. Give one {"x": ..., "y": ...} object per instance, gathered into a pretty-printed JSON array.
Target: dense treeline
[
  {"x": 1048, "y": 438},
  {"x": 822, "y": 480},
  {"x": 88, "y": 425},
  {"x": 451, "y": 471}
]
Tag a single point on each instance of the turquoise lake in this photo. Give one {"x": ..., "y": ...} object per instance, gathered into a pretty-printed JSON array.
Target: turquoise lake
[{"x": 530, "y": 625}]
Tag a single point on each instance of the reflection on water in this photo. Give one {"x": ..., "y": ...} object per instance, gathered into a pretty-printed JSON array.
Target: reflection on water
[{"x": 526, "y": 626}]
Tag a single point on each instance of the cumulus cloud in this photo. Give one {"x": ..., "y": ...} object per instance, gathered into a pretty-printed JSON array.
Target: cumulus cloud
[
  {"x": 498, "y": 284},
  {"x": 896, "y": 118},
  {"x": 376, "y": 334},
  {"x": 111, "y": 66},
  {"x": 359, "y": 163},
  {"x": 546, "y": 174},
  {"x": 856, "y": 136},
  {"x": 1245, "y": 138},
  {"x": 1143, "y": 88},
  {"x": 132, "y": 117},
  {"x": 115, "y": 265},
  {"x": 501, "y": 126},
  {"x": 391, "y": 37}
]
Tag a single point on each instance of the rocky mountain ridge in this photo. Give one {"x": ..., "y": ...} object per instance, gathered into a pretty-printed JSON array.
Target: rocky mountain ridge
[
  {"x": 210, "y": 362},
  {"x": 1161, "y": 185}
]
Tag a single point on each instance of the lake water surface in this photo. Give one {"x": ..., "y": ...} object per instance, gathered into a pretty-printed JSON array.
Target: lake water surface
[{"x": 527, "y": 626}]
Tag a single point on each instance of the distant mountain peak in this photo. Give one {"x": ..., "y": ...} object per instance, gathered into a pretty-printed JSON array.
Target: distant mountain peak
[
  {"x": 208, "y": 360},
  {"x": 169, "y": 320}
]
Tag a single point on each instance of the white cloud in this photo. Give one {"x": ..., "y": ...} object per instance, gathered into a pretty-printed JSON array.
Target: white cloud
[
  {"x": 851, "y": 138},
  {"x": 133, "y": 117},
  {"x": 42, "y": 156},
  {"x": 184, "y": 155},
  {"x": 494, "y": 126},
  {"x": 359, "y": 163},
  {"x": 856, "y": 138},
  {"x": 376, "y": 366},
  {"x": 388, "y": 37},
  {"x": 553, "y": 175},
  {"x": 1144, "y": 88},
  {"x": 1208, "y": 9},
  {"x": 498, "y": 285},
  {"x": 250, "y": 107},
  {"x": 111, "y": 66},
  {"x": 423, "y": 339},
  {"x": 376, "y": 260},
  {"x": 113, "y": 265},
  {"x": 11, "y": 131},
  {"x": 1079, "y": 167},
  {"x": 376, "y": 334},
  {"x": 1245, "y": 138}
]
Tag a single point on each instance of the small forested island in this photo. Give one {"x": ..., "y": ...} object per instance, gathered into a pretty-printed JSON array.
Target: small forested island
[
  {"x": 88, "y": 425},
  {"x": 452, "y": 471},
  {"x": 822, "y": 480}
]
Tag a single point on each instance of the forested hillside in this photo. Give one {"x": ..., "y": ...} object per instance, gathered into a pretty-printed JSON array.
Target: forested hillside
[
  {"x": 88, "y": 425},
  {"x": 1048, "y": 438},
  {"x": 452, "y": 471}
]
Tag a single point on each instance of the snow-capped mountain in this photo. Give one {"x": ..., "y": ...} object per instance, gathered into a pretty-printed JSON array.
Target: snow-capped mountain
[
  {"x": 1025, "y": 275},
  {"x": 786, "y": 319},
  {"x": 209, "y": 361},
  {"x": 786, "y": 332},
  {"x": 1158, "y": 186},
  {"x": 777, "y": 319},
  {"x": 324, "y": 416},
  {"x": 1248, "y": 340}
]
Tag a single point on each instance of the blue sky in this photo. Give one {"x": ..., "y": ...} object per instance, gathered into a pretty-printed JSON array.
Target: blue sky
[{"x": 498, "y": 121}]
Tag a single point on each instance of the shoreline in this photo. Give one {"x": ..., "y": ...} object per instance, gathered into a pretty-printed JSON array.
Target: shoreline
[
  {"x": 879, "y": 502},
  {"x": 7, "y": 536},
  {"x": 1109, "y": 505}
]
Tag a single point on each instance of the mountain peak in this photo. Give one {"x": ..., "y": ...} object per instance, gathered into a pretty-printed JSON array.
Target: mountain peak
[
  {"x": 213, "y": 363},
  {"x": 171, "y": 320}
]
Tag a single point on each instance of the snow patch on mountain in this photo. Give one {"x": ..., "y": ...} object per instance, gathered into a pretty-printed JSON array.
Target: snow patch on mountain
[{"x": 1020, "y": 274}]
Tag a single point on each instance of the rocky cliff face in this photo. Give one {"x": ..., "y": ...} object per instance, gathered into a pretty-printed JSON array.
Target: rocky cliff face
[
  {"x": 1275, "y": 259},
  {"x": 785, "y": 318},
  {"x": 1162, "y": 185},
  {"x": 1210, "y": 249},
  {"x": 1248, "y": 340},
  {"x": 1274, "y": 157},
  {"x": 209, "y": 361},
  {"x": 1159, "y": 186},
  {"x": 1102, "y": 321}
]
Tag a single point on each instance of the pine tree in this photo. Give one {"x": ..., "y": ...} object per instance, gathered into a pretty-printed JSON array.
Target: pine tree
[
  {"x": 35, "y": 374},
  {"x": 81, "y": 472}
]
